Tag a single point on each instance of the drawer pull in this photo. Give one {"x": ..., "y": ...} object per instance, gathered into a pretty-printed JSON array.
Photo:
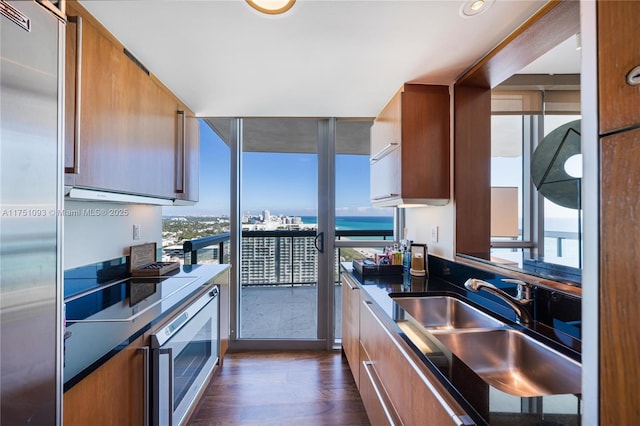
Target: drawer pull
[
  {"x": 383, "y": 152},
  {"x": 373, "y": 379},
  {"x": 633, "y": 77}
]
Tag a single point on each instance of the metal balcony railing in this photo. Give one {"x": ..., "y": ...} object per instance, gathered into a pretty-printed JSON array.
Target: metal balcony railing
[{"x": 282, "y": 257}]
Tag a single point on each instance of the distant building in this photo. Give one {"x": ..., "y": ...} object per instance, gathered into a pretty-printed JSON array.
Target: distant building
[{"x": 278, "y": 260}]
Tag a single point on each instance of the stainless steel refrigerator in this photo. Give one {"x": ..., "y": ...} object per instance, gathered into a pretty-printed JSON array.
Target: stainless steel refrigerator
[{"x": 31, "y": 341}]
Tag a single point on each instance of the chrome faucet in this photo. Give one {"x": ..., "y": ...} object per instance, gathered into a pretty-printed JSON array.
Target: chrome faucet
[{"x": 518, "y": 303}]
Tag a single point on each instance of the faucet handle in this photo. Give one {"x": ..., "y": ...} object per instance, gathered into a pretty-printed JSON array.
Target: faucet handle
[{"x": 524, "y": 289}]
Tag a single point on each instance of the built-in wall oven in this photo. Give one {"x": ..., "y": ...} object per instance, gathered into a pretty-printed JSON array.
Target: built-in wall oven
[{"x": 184, "y": 354}]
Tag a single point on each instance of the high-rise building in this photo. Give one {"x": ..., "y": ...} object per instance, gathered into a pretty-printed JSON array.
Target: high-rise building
[{"x": 278, "y": 260}]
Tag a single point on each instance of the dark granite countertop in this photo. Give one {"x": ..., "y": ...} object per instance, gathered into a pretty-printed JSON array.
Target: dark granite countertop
[
  {"x": 104, "y": 317},
  {"x": 484, "y": 403}
]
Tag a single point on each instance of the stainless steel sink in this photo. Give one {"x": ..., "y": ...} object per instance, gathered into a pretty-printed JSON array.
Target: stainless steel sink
[
  {"x": 515, "y": 363},
  {"x": 446, "y": 313}
]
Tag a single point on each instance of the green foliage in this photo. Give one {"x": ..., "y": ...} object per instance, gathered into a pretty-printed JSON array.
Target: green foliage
[
  {"x": 176, "y": 230},
  {"x": 348, "y": 254}
]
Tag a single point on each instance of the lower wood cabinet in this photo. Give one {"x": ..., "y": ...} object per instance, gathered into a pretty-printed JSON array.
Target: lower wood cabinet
[
  {"x": 351, "y": 325},
  {"x": 395, "y": 386},
  {"x": 114, "y": 394},
  {"x": 376, "y": 401}
]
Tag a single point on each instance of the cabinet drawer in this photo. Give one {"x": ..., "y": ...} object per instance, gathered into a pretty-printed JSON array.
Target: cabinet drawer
[{"x": 374, "y": 397}]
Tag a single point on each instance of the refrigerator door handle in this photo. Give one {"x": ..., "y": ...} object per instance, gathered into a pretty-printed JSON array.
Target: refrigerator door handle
[{"x": 75, "y": 168}]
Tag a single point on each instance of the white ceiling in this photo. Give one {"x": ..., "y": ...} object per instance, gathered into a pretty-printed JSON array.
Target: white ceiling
[{"x": 323, "y": 58}]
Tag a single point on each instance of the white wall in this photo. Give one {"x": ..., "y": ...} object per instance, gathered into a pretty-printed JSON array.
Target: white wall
[
  {"x": 96, "y": 231},
  {"x": 420, "y": 221}
]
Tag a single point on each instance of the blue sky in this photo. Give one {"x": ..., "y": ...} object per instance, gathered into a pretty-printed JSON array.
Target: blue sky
[{"x": 281, "y": 183}]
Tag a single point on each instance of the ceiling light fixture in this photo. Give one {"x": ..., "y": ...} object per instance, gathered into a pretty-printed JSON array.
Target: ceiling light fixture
[
  {"x": 271, "y": 7},
  {"x": 474, "y": 7}
]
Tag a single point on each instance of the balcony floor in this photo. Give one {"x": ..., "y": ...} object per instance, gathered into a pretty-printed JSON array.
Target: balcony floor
[{"x": 282, "y": 312}]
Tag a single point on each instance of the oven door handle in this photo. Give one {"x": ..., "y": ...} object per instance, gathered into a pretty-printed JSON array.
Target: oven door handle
[
  {"x": 169, "y": 352},
  {"x": 145, "y": 372}
]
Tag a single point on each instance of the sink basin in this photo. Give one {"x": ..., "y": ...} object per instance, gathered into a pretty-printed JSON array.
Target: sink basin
[
  {"x": 515, "y": 363},
  {"x": 445, "y": 313}
]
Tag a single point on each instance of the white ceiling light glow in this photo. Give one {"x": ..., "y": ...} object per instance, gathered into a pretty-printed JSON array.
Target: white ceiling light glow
[
  {"x": 474, "y": 7},
  {"x": 271, "y": 7}
]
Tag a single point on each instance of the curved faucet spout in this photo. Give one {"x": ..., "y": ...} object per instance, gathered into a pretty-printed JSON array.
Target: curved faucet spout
[{"x": 518, "y": 306}]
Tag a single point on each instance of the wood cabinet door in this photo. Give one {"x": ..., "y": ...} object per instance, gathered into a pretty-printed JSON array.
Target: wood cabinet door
[
  {"x": 351, "y": 326},
  {"x": 425, "y": 142},
  {"x": 419, "y": 116},
  {"x": 187, "y": 156},
  {"x": 618, "y": 54},
  {"x": 120, "y": 122},
  {"x": 114, "y": 394},
  {"x": 93, "y": 123},
  {"x": 152, "y": 139},
  {"x": 619, "y": 278}
]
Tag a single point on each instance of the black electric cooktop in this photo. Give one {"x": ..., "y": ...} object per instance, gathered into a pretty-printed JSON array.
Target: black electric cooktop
[{"x": 123, "y": 300}]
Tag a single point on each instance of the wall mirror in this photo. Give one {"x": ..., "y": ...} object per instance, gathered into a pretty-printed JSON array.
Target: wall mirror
[{"x": 529, "y": 217}]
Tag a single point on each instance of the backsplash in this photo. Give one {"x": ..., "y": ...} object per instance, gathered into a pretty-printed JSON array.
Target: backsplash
[{"x": 95, "y": 231}]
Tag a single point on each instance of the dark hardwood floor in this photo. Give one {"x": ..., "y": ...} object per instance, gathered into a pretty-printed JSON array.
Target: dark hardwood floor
[{"x": 282, "y": 388}]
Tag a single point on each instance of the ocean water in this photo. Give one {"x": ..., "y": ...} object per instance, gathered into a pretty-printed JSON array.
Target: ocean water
[{"x": 354, "y": 223}]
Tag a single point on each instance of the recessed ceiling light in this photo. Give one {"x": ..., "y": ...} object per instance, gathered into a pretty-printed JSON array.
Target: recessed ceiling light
[
  {"x": 474, "y": 7},
  {"x": 271, "y": 7}
]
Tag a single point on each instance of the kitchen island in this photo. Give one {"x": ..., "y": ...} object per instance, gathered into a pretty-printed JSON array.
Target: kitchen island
[{"x": 460, "y": 395}]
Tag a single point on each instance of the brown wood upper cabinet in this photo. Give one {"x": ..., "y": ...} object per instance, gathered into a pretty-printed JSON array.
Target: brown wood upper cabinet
[
  {"x": 618, "y": 65},
  {"x": 122, "y": 124},
  {"x": 410, "y": 148}
]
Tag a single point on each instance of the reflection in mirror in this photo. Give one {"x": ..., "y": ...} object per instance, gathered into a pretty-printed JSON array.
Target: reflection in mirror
[{"x": 535, "y": 140}]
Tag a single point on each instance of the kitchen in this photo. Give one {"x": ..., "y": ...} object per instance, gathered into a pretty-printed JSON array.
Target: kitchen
[{"x": 607, "y": 280}]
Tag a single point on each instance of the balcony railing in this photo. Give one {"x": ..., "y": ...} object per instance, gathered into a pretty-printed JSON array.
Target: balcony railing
[{"x": 282, "y": 257}]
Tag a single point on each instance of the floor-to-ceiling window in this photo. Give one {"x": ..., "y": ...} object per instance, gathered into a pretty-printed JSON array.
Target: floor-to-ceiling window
[
  {"x": 278, "y": 257},
  {"x": 299, "y": 206}
]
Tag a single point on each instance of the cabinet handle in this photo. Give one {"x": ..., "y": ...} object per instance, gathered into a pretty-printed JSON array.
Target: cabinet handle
[
  {"x": 145, "y": 373},
  {"x": 384, "y": 151},
  {"x": 181, "y": 153},
  {"x": 633, "y": 76},
  {"x": 346, "y": 280},
  {"x": 384, "y": 197},
  {"x": 371, "y": 374},
  {"x": 75, "y": 169},
  {"x": 169, "y": 352}
]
